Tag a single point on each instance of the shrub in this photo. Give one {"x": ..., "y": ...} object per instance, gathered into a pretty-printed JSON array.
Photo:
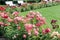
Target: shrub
[
  {"x": 29, "y": 27},
  {"x": 23, "y": 28}
]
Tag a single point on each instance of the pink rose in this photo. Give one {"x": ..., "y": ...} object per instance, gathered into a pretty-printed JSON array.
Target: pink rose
[
  {"x": 28, "y": 27},
  {"x": 36, "y": 32},
  {"x": 43, "y": 31},
  {"x": 47, "y": 30},
  {"x": 4, "y": 15},
  {"x": 1, "y": 23},
  {"x": 18, "y": 18},
  {"x": 9, "y": 19},
  {"x": 15, "y": 13}
]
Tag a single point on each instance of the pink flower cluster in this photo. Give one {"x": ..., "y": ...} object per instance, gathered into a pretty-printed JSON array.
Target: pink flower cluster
[
  {"x": 31, "y": 28},
  {"x": 4, "y": 15},
  {"x": 2, "y": 8},
  {"x": 45, "y": 31}
]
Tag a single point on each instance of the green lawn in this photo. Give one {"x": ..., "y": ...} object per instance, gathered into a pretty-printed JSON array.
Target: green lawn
[{"x": 49, "y": 13}]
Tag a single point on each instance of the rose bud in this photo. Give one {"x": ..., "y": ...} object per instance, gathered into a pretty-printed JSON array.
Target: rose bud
[{"x": 24, "y": 36}]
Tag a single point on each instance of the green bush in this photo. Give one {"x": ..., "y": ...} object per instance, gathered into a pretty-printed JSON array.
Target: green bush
[{"x": 49, "y": 4}]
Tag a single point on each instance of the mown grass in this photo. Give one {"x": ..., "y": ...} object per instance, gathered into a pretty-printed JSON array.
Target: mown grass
[{"x": 49, "y": 13}]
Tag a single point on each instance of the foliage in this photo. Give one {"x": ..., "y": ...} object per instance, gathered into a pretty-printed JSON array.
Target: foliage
[
  {"x": 23, "y": 28},
  {"x": 30, "y": 27},
  {"x": 27, "y": 7}
]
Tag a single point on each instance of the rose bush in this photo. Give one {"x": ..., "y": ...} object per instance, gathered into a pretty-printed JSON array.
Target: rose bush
[
  {"x": 20, "y": 27},
  {"x": 29, "y": 27}
]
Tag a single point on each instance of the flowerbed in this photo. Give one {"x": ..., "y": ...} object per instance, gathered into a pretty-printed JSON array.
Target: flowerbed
[
  {"x": 33, "y": 26},
  {"x": 27, "y": 7}
]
